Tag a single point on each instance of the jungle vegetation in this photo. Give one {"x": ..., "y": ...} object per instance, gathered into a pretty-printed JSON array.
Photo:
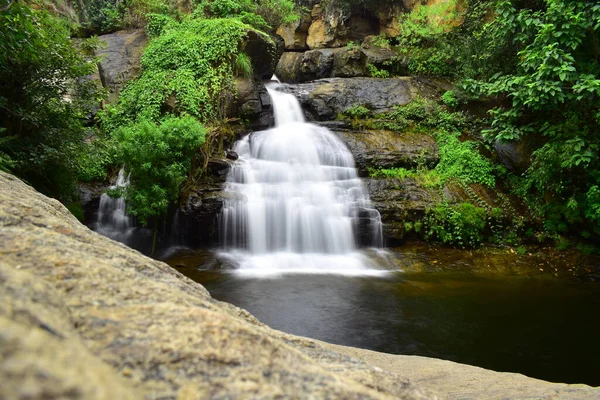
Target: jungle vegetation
[{"x": 536, "y": 61}]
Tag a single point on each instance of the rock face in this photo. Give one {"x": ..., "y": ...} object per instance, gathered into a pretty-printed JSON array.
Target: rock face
[
  {"x": 294, "y": 67},
  {"x": 253, "y": 103},
  {"x": 121, "y": 57},
  {"x": 84, "y": 317},
  {"x": 326, "y": 98},
  {"x": 387, "y": 149}
]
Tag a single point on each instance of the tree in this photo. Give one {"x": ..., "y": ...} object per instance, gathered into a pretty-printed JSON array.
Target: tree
[
  {"x": 159, "y": 157},
  {"x": 554, "y": 96},
  {"x": 44, "y": 99}
]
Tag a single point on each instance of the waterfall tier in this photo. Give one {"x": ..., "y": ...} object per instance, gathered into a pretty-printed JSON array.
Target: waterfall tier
[{"x": 295, "y": 202}]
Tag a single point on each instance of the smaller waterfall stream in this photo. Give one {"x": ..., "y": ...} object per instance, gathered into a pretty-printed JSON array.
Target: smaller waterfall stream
[
  {"x": 113, "y": 220},
  {"x": 295, "y": 201}
]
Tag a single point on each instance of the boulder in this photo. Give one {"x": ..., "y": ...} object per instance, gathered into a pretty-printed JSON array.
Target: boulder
[
  {"x": 328, "y": 28},
  {"x": 295, "y": 33},
  {"x": 326, "y": 98},
  {"x": 294, "y": 67},
  {"x": 85, "y": 317},
  {"x": 264, "y": 53},
  {"x": 399, "y": 201},
  {"x": 387, "y": 149},
  {"x": 120, "y": 59},
  {"x": 350, "y": 62},
  {"x": 514, "y": 155},
  {"x": 253, "y": 103}
]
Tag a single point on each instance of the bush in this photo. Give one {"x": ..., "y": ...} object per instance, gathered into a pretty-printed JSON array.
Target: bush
[
  {"x": 461, "y": 225},
  {"x": 159, "y": 157},
  {"x": 193, "y": 63},
  {"x": 449, "y": 99},
  {"x": 262, "y": 14},
  {"x": 462, "y": 160}
]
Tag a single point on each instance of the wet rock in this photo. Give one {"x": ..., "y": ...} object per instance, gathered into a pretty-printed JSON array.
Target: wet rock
[
  {"x": 387, "y": 149},
  {"x": 219, "y": 168},
  {"x": 231, "y": 155},
  {"x": 400, "y": 201},
  {"x": 326, "y": 98},
  {"x": 288, "y": 67},
  {"x": 120, "y": 59},
  {"x": 82, "y": 316},
  {"x": 316, "y": 64},
  {"x": 351, "y": 62},
  {"x": 253, "y": 103},
  {"x": 264, "y": 53},
  {"x": 514, "y": 155}
]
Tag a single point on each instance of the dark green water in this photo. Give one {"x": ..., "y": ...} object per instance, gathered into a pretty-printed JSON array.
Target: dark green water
[{"x": 541, "y": 326}]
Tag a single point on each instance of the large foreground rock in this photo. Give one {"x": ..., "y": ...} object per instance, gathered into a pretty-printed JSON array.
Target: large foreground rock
[{"x": 83, "y": 317}]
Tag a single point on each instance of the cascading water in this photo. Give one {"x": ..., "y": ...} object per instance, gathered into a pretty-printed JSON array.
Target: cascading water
[
  {"x": 295, "y": 201},
  {"x": 112, "y": 220}
]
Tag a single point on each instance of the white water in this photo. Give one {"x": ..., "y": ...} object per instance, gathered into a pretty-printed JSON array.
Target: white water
[
  {"x": 113, "y": 220},
  {"x": 295, "y": 201}
]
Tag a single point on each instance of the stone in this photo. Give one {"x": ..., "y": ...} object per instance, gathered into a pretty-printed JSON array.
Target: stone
[
  {"x": 82, "y": 316},
  {"x": 399, "y": 201},
  {"x": 264, "y": 53},
  {"x": 327, "y": 30},
  {"x": 514, "y": 155},
  {"x": 295, "y": 33},
  {"x": 386, "y": 149},
  {"x": 252, "y": 103},
  {"x": 297, "y": 67},
  {"x": 350, "y": 62},
  {"x": 324, "y": 99},
  {"x": 288, "y": 66},
  {"x": 120, "y": 59}
]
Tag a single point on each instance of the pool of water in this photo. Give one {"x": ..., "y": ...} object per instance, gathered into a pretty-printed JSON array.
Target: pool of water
[{"x": 542, "y": 325}]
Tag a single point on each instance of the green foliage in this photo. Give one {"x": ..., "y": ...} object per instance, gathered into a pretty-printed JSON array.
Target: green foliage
[
  {"x": 96, "y": 158},
  {"x": 159, "y": 157},
  {"x": 449, "y": 99},
  {"x": 44, "y": 100},
  {"x": 381, "y": 41},
  {"x": 158, "y": 23},
  {"x": 444, "y": 39},
  {"x": 462, "y": 160},
  {"x": 357, "y": 111},
  {"x": 554, "y": 93},
  {"x": 261, "y": 14},
  {"x": 104, "y": 16},
  {"x": 461, "y": 225},
  {"x": 193, "y": 63},
  {"x": 397, "y": 173},
  {"x": 377, "y": 73}
]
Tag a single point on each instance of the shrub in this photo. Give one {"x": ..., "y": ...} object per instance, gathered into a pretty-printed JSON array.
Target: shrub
[
  {"x": 461, "y": 225},
  {"x": 159, "y": 157},
  {"x": 449, "y": 99},
  {"x": 193, "y": 63}
]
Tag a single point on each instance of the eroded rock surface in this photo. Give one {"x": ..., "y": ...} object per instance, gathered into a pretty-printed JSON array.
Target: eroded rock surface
[
  {"x": 386, "y": 149},
  {"x": 120, "y": 59},
  {"x": 85, "y": 317},
  {"x": 324, "y": 99}
]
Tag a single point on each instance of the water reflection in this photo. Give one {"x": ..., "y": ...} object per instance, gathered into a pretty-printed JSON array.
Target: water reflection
[{"x": 536, "y": 325}]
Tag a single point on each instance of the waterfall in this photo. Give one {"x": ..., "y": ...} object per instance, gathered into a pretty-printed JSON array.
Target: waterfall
[
  {"x": 295, "y": 202},
  {"x": 112, "y": 220}
]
